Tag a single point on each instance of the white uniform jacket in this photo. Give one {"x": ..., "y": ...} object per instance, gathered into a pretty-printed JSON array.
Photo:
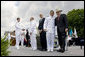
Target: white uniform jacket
[
  {"x": 18, "y": 28},
  {"x": 49, "y": 24},
  {"x": 32, "y": 27}
]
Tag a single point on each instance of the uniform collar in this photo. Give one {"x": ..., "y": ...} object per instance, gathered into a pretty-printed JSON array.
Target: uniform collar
[
  {"x": 32, "y": 21},
  {"x": 18, "y": 22},
  {"x": 51, "y": 16}
]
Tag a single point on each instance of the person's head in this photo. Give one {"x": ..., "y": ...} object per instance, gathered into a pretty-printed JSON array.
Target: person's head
[
  {"x": 18, "y": 19},
  {"x": 51, "y": 13},
  {"x": 58, "y": 12},
  {"x": 31, "y": 18},
  {"x": 23, "y": 29},
  {"x": 27, "y": 30},
  {"x": 41, "y": 15}
]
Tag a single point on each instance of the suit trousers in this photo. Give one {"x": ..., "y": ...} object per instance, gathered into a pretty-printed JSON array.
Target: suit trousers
[
  {"x": 61, "y": 39},
  {"x": 43, "y": 40}
]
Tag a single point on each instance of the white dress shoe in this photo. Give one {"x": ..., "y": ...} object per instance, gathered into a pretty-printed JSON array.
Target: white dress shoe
[
  {"x": 48, "y": 50},
  {"x": 51, "y": 49}
]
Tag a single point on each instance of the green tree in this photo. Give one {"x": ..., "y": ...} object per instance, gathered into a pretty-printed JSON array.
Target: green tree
[
  {"x": 76, "y": 19},
  {"x": 4, "y": 46}
]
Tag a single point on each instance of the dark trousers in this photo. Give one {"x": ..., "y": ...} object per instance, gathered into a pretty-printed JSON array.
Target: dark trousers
[
  {"x": 61, "y": 39},
  {"x": 43, "y": 40},
  {"x": 28, "y": 41}
]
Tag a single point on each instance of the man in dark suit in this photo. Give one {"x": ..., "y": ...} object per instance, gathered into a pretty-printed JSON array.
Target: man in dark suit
[
  {"x": 42, "y": 33},
  {"x": 62, "y": 28}
]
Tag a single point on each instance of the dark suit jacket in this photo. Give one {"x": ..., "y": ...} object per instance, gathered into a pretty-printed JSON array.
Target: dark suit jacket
[
  {"x": 62, "y": 23},
  {"x": 41, "y": 24}
]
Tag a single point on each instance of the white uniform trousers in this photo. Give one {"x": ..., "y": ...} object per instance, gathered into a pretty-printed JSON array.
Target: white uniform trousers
[
  {"x": 22, "y": 40},
  {"x": 18, "y": 40},
  {"x": 50, "y": 41},
  {"x": 33, "y": 41}
]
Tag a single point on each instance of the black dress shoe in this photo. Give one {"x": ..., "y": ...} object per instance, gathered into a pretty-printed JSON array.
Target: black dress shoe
[
  {"x": 62, "y": 51},
  {"x": 45, "y": 49},
  {"x": 42, "y": 49},
  {"x": 59, "y": 50}
]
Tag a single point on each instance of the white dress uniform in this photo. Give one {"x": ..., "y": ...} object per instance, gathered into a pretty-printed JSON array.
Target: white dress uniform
[
  {"x": 23, "y": 33},
  {"x": 33, "y": 36},
  {"x": 18, "y": 33},
  {"x": 49, "y": 25}
]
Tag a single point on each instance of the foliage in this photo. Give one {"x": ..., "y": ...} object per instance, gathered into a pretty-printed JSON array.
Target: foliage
[
  {"x": 4, "y": 46},
  {"x": 76, "y": 19}
]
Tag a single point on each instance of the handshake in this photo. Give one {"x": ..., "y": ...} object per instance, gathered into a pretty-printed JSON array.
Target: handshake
[{"x": 23, "y": 29}]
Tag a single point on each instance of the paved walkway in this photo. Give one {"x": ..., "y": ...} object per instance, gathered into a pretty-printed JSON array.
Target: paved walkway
[{"x": 25, "y": 51}]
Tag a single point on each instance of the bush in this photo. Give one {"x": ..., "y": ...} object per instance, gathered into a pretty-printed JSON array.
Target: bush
[
  {"x": 76, "y": 19},
  {"x": 4, "y": 46}
]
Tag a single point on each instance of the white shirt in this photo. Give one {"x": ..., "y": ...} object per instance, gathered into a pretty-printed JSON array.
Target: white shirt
[{"x": 49, "y": 24}]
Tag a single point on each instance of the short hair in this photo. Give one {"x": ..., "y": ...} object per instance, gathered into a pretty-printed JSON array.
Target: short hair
[
  {"x": 51, "y": 11},
  {"x": 41, "y": 14},
  {"x": 18, "y": 18},
  {"x": 32, "y": 18}
]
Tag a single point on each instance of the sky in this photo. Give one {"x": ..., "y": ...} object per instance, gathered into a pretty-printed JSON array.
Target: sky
[{"x": 10, "y": 10}]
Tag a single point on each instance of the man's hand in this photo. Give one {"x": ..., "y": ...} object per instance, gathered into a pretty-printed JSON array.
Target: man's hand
[
  {"x": 40, "y": 31},
  {"x": 45, "y": 29},
  {"x": 30, "y": 33},
  {"x": 66, "y": 30},
  {"x": 23, "y": 29}
]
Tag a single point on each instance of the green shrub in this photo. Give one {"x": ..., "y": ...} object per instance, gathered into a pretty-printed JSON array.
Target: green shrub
[
  {"x": 4, "y": 46},
  {"x": 76, "y": 19}
]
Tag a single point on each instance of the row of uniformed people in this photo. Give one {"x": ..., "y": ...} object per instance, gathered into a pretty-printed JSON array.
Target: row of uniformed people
[
  {"x": 47, "y": 31},
  {"x": 45, "y": 43},
  {"x": 47, "y": 25},
  {"x": 21, "y": 33}
]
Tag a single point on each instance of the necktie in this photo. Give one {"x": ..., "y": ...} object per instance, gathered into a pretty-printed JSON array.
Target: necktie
[{"x": 58, "y": 18}]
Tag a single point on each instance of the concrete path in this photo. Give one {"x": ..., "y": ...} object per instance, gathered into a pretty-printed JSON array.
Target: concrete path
[{"x": 25, "y": 51}]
